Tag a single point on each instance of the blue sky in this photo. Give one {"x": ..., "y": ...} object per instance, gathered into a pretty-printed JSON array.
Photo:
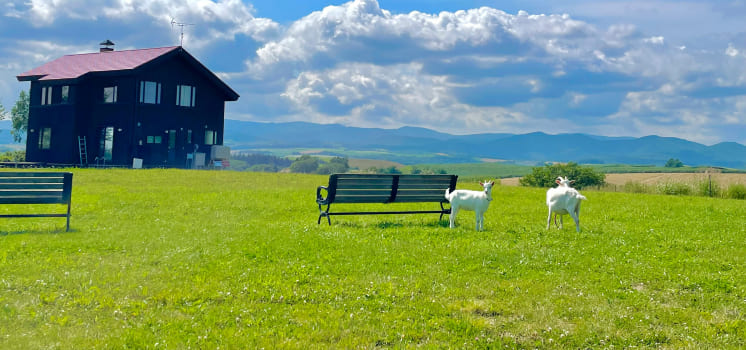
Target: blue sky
[{"x": 605, "y": 67}]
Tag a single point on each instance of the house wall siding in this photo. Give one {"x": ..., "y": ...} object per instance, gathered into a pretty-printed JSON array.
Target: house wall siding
[{"x": 59, "y": 117}]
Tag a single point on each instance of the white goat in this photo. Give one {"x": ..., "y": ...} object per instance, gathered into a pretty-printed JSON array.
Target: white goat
[
  {"x": 562, "y": 200},
  {"x": 476, "y": 201}
]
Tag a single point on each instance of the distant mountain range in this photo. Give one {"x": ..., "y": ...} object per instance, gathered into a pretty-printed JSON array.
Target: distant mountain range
[
  {"x": 410, "y": 145},
  {"x": 436, "y": 147}
]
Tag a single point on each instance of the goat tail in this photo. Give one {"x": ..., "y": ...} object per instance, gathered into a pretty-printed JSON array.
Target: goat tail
[{"x": 581, "y": 197}]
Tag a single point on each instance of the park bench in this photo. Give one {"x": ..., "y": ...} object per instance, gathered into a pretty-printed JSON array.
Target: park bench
[
  {"x": 36, "y": 188},
  {"x": 384, "y": 188}
]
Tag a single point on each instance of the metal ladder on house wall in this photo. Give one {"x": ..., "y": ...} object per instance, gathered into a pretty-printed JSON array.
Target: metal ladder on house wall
[{"x": 83, "y": 151}]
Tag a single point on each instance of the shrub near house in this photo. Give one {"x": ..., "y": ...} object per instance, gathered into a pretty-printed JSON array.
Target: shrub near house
[
  {"x": 259, "y": 162},
  {"x": 311, "y": 165}
]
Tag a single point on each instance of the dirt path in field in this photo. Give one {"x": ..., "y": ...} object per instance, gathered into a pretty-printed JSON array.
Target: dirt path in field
[{"x": 653, "y": 178}]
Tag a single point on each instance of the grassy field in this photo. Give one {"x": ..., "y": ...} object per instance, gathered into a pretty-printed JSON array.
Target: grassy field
[{"x": 179, "y": 259}]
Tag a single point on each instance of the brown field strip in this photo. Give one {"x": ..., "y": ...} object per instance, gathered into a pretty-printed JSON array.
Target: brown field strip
[{"x": 653, "y": 178}]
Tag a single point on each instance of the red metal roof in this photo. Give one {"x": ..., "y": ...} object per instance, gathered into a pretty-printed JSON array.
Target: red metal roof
[{"x": 74, "y": 66}]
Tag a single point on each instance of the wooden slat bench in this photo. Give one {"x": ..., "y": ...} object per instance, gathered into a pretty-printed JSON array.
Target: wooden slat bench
[
  {"x": 384, "y": 188},
  {"x": 36, "y": 188}
]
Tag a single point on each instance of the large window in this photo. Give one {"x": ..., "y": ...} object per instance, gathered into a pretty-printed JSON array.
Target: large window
[
  {"x": 211, "y": 137},
  {"x": 185, "y": 95},
  {"x": 45, "y": 138},
  {"x": 106, "y": 143},
  {"x": 65, "y": 94},
  {"x": 110, "y": 94},
  {"x": 46, "y": 95},
  {"x": 150, "y": 92}
]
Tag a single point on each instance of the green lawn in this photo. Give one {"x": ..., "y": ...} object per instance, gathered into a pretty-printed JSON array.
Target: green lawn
[{"x": 180, "y": 259}]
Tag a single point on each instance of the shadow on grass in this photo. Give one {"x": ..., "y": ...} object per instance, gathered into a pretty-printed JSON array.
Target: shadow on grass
[
  {"x": 37, "y": 232},
  {"x": 390, "y": 224}
]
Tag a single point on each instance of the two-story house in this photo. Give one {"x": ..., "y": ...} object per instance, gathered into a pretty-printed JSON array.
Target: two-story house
[{"x": 160, "y": 105}]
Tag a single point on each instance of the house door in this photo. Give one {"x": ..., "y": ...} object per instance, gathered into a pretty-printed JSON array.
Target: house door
[
  {"x": 106, "y": 145},
  {"x": 171, "y": 146}
]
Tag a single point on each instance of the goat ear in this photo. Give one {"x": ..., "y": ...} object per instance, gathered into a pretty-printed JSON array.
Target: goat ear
[
  {"x": 557, "y": 181},
  {"x": 572, "y": 182},
  {"x": 480, "y": 183}
]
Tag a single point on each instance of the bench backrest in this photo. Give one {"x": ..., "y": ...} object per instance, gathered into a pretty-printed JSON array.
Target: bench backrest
[
  {"x": 35, "y": 187},
  {"x": 384, "y": 188}
]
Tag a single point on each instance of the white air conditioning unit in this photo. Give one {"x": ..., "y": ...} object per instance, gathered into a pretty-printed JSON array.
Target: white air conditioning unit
[{"x": 218, "y": 152}]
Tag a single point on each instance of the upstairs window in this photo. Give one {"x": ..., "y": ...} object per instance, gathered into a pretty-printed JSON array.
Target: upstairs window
[
  {"x": 65, "y": 94},
  {"x": 110, "y": 94},
  {"x": 150, "y": 92},
  {"x": 185, "y": 95},
  {"x": 46, "y": 95},
  {"x": 154, "y": 139}
]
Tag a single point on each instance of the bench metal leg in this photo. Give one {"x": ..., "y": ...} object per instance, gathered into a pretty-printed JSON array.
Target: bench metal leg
[
  {"x": 324, "y": 213},
  {"x": 443, "y": 211},
  {"x": 67, "y": 229}
]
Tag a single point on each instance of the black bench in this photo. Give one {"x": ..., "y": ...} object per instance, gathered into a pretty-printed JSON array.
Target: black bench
[
  {"x": 384, "y": 188},
  {"x": 36, "y": 188}
]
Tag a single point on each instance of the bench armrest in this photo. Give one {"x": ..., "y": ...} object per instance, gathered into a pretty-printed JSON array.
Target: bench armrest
[{"x": 319, "y": 198}]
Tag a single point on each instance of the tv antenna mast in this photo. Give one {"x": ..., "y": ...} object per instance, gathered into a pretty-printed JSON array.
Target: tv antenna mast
[{"x": 181, "y": 26}]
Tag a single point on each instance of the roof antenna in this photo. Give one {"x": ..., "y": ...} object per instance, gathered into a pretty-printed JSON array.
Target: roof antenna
[{"x": 181, "y": 25}]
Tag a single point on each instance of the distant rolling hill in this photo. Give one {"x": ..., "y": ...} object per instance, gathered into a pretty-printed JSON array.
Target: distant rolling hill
[{"x": 399, "y": 145}]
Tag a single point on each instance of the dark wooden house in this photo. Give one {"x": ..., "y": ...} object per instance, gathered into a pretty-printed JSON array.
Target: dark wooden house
[{"x": 159, "y": 106}]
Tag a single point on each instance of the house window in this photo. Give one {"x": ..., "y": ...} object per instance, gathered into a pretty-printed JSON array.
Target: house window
[
  {"x": 65, "y": 94},
  {"x": 150, "y": 92},
  {"x": 211, "y": 137},
  {"x": 110, "y": 94},
  {"x": 189, "y": 136},
  {"x": 153, "y": 139},
  {"x": 46, "y": 95},
  {"x": 45, "y": 138},
  {"x": 106, "y": 143},
  {"x": 171, "y": 139},
  {"x": 185, "y": 95}
]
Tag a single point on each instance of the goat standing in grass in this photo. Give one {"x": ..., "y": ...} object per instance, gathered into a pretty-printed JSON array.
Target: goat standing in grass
[
  {"x": 476, "y": 201},
  {"x": 562, "y": 200}
]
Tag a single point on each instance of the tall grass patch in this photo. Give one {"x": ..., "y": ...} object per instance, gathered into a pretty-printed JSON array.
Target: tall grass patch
[
  {"x": 636, "y": 187},
  {"x": 737, "y": 191},
  {"x": 673, "y": 188},
  {"x": 702, "y": 187}
]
